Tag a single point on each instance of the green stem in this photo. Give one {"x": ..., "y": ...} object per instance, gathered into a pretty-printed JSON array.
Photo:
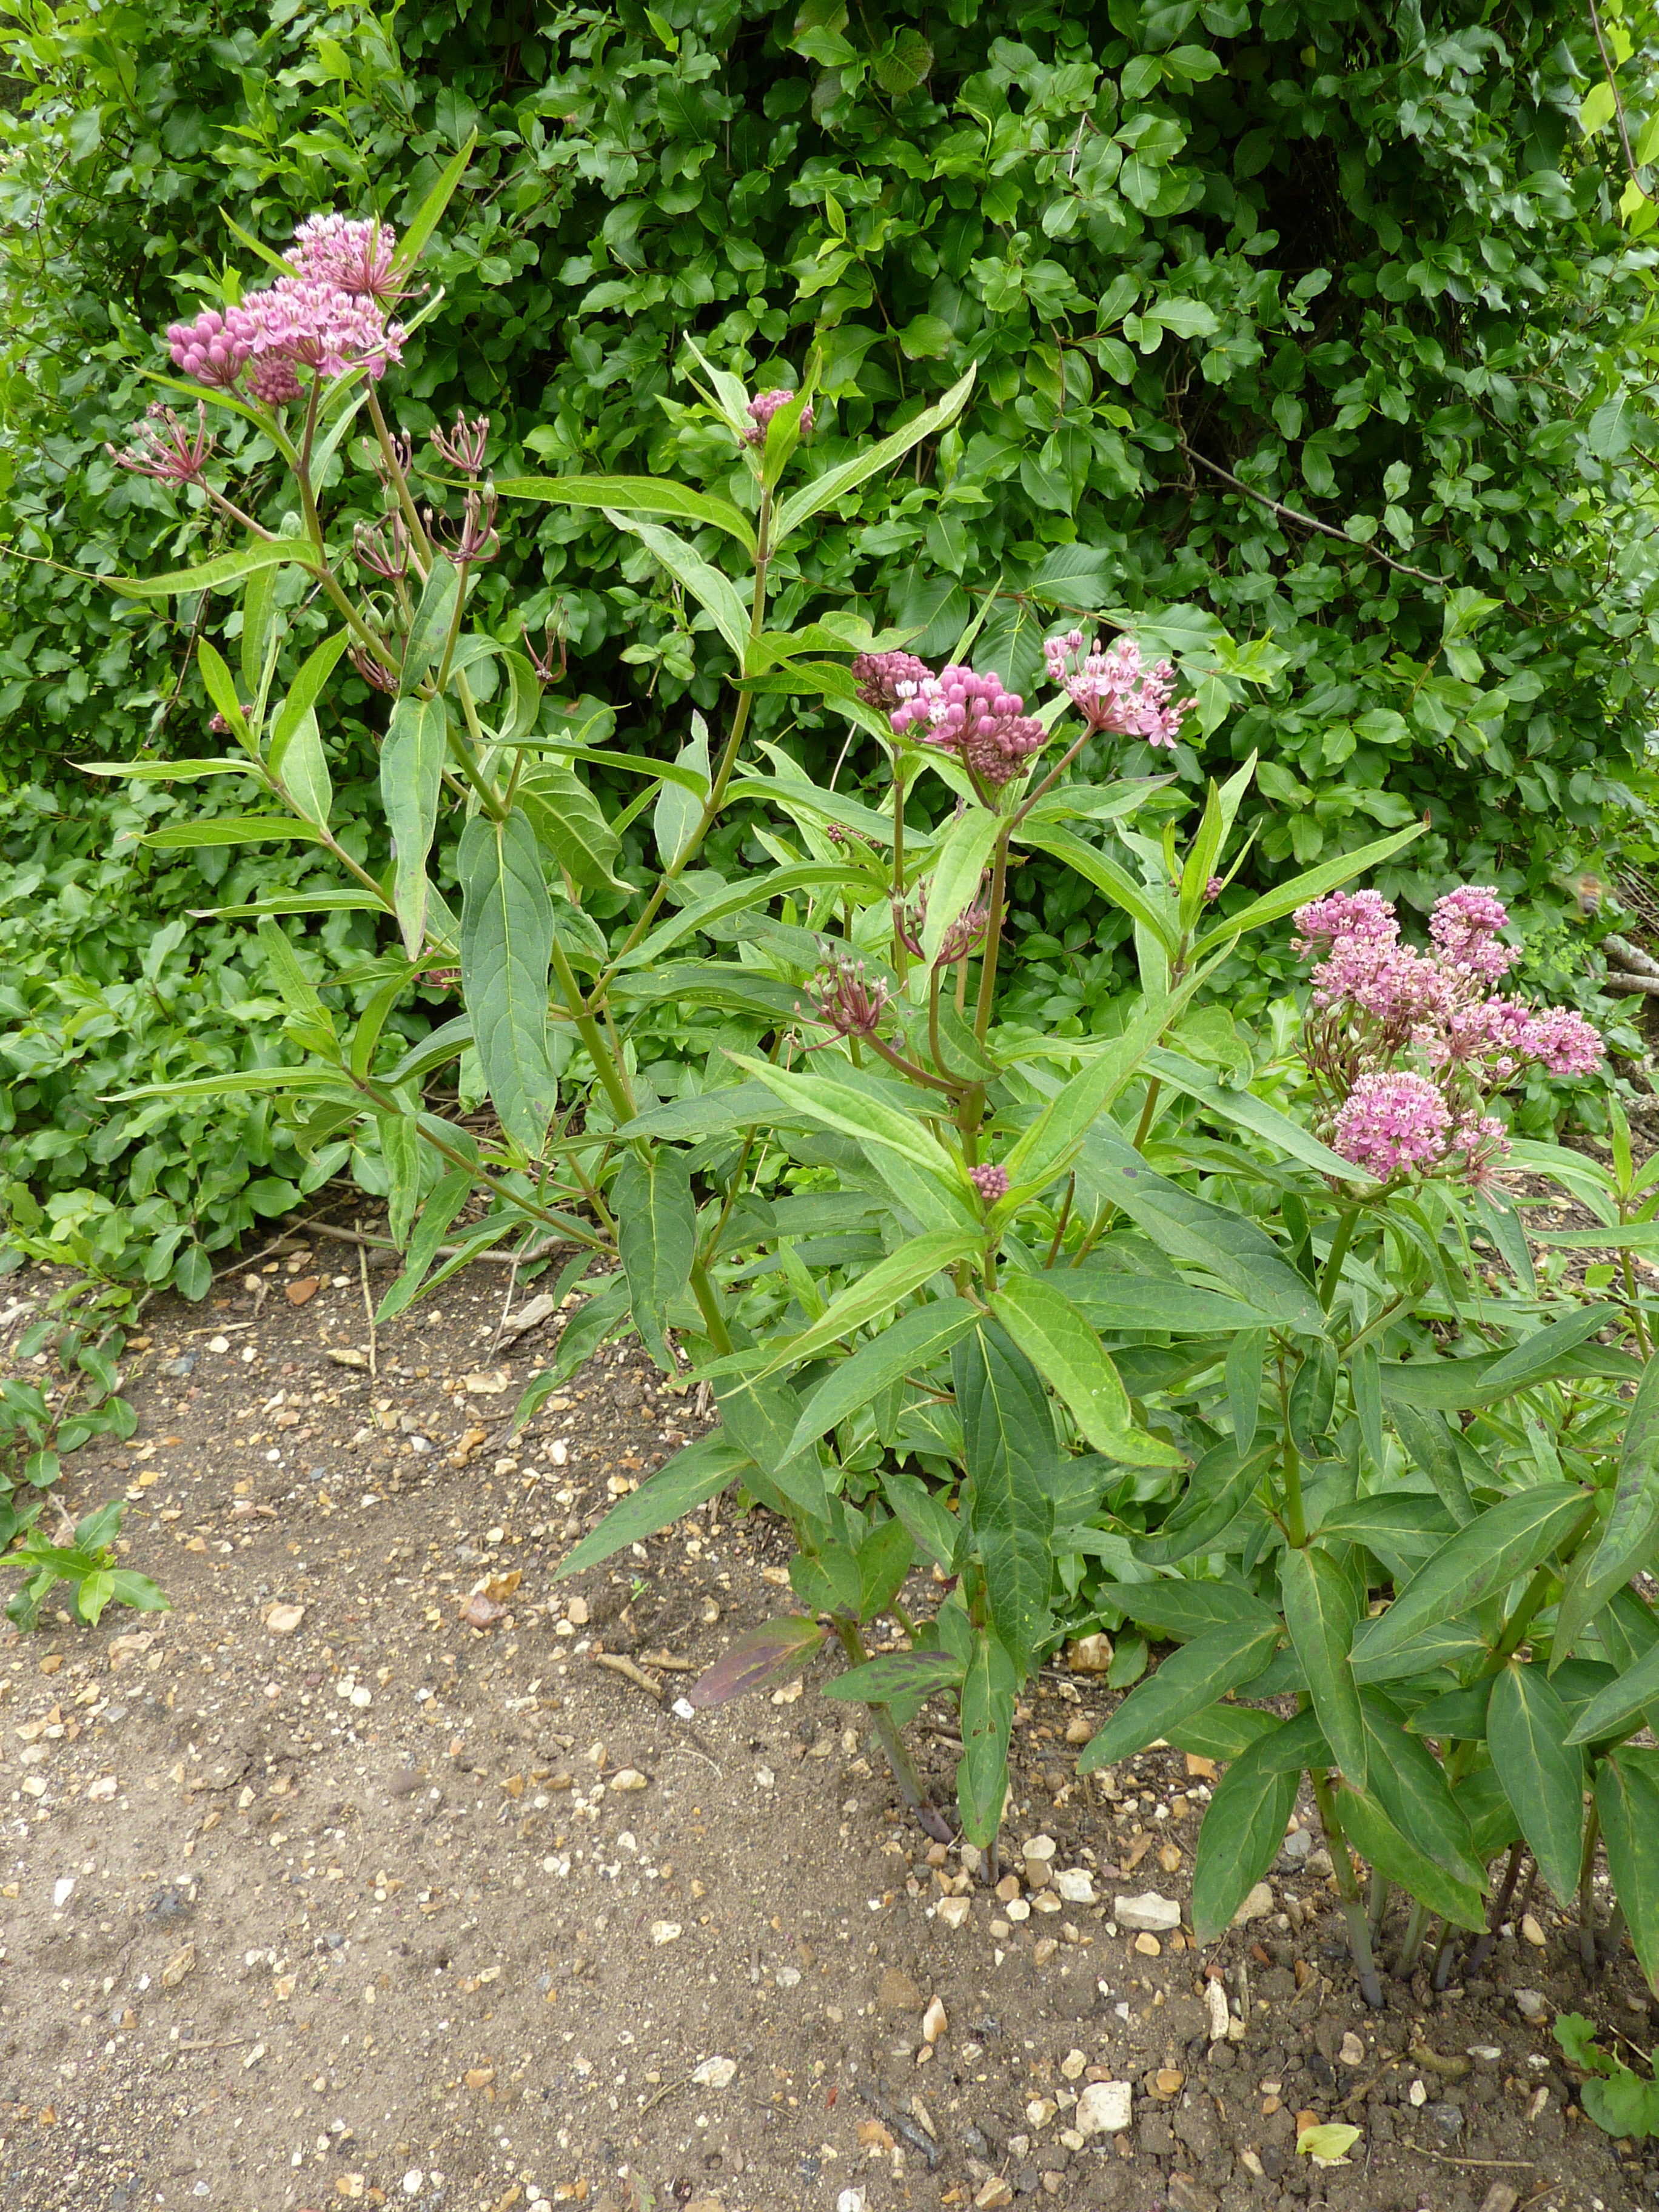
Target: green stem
[
  {"x": 1353, "y": 1909},
  {"x": 892, "y": 1742},
  {"x": 1065, "y": 1216},
  {"x": 901, "y": 951},
  {"x": 610, "y": 1074},
  {"x": 708, "y": 1305},
  {"x": 1587, "y": 1891},
  {"x": 1153, "y": 1089},
  {"x": 1295, "y": 1523},
  {"x": 1377, "y": 1907},
  {"x": 400, "y": 485},
  {"x": 1336, "y": 1255},
  {"x": 1411, "y": 1948},
  {"x": 988, "y": 972}
]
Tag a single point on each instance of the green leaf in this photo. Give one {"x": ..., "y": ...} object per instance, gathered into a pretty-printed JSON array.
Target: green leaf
[
  {"x": 429, "y": 214},
  {"x": 1372, "y": 1834},
  {"x": 960, "y": 862},
  {"x": 1596, "y": 110},
  {"x": 1115, "y": 1301},
  {"x": 1507, "y": 1540},
  {"x": 657, "y": 1241},
  {"x": 1542, "y": 1774},
  {"x": 895, "y": 1675},
  {"x": 1410, "y": 1784},
  {"x": 762, "y": 1416},
  {"x": 1622, "y": 1705},
  {"x": 1153, "y": 910},
  {"x": 214, "y": 575},
  {"x": 1242, "y": 1832},
  {"x": 1245, "y": 1111},
  {"x": 1428, "y": 1444},
  {"x": 126, "y": 1587},
  {"x": 1217, "y": 1491},
  {"x": 429, "y": 631},
  {"x": 301, "y": 767},
  {"x": 1632, "y": 1524},
  {"x": 1066, "y": 1351},
  {"x": 987, "y": 1721},
  {"x": 753, "y": 890},
  {"x": 934, "y": 1531},
  {"x": 229, "y": 830},
  {"x": 635, "y": 495},
  {"x": 1540, "y": 1357},
  {"x": 838, "y": 1105},
  {"x": 699, "y": 1472},
  {"x": 876, "y": 1292},
  {"x": 220, "y": 687},
  {"x": 1191, "y": 1679},
  {"x": 411, "y": 781},
  {"x": 1321, "y": 1609},
  {"x": 884, "y": 1559},
  {"x": 448, "y": 1197},
  {"x": 716, "y": 593},
  {"x": 1048, "y": 1146},
  {"x": 1627, "y": 1799},
  {"x": 568, "y": 822},
  {"x": 1171, "y": 1606},
  {"x": 679, "y": 809},
  {"x": 1276, "y": 903},
  {"x": 304, "y": 693},
  {"x": 507, "y": 949},
  {"x": 1191, "y": 1229},
  {"x": 402, "y": 1151},
  {"x": 913, "y": 1342},
  {"x": 1008, "y": 1435},
  {"x": 812, "y": 498},
  {"x": 1223, "y": 1731}
]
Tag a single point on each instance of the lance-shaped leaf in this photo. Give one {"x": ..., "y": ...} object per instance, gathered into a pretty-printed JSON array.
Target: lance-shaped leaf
[
  {"x": 445, "y": 1201},
  {"x": 1541, "y": 1357},
  {"x": 896, "y": 1675},
  {"x": 914, "y": 1341},
  {"x": 1066, "y": 1352},
  {"x": 1374, "y": 1834},
  {"x": 1410, "y": 1784},
  {"x": 754, "y": 889},
  {"x": 568, "y": 821},
  {"x": 1153, "y": 910},
  {"x": 1048, "y": 1146},
  {"x": 507, "y": 949},
  {"x": 1188, "y": 1228},
  {"x": 876, "y": 1292},
  {"x": 434, "y": 612},
  {"x": 1217, "y": 1491},
  {"x": 722, "y": 598},
  {"x": 1508, "y": 1540},
  {"x": 1008, "y": 1435},
  {"x": 1622, "y": 1706},
  {"x": 656, "y": 1240},
  {"x": 812, "y": 498},
  {"x": 1632, "y": 1524},
  {"x": 688, "y": 1480},
  {"x": 305, "y": 690},
  {"x": 1245, "y": 1111},
  {"x": 1274, "y": 905},
  {"x": 987, "y": 1721},
  {"x": 762, "y": 1416},
  {"x": 933, "y": 1530},
  {"x": 1242, "y": 1833},
  {"x": 1429, "y": 1441},
  {"x": 883, "y": 1561},
  {"x": 1190, "y": 1680},
  {"x": 635, "y": 495},
  {"x": 1322, "y": 1609},
  {"x": 1627, "y": 1799},
  {"x": 1542, "y": 1773},
  {"x": 301, "y": 766},
  {"x": 1171, "y": 1606},
  {"x": 214, "y": 575},
  {"x": 760, "y": 1659},
  {"x": 412, "y": 778},
  {"x": 960, "y": 862},
  {"x": 229, "y": 830}
]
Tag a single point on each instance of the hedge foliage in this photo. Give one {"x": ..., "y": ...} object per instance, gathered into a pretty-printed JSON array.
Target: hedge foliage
[{"x": 1307, "y": 337}]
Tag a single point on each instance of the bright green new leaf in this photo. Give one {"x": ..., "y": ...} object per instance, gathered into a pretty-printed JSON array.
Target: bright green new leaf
[
  {"x": 1066, "y": 1352},
  {"x": 907, "y": 1345},
  {"x": 635, "y": 495}
]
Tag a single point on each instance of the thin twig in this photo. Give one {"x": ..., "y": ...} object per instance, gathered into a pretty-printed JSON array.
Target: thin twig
[
  {"x": 624, "y": 1666},
  {"x": 1307, "y": 522},
  {"x": 1618, "y": 103},
  {"x": 443, "y": 1252},
  {"x": 1442, "y": 2157}
]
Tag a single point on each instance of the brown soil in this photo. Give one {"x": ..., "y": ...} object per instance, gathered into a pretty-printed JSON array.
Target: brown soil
[{"x": 390, "y": 1909}]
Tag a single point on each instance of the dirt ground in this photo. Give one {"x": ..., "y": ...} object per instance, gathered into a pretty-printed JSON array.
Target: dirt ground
[{"x": 312, "y": 1893}]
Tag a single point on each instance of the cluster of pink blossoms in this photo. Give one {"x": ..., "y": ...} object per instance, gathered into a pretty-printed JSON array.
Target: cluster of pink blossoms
[
  {"x": 1114, "y": 692},
  {"x": 328, "y": 318},
  {"x": 763, "y": 406},
  {"x": 973, "y": 716},
  {"x": 1377, "y": 1004}
]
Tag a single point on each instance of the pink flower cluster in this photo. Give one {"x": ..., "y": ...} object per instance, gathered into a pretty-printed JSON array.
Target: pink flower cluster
[
  {"x": 763, "y": 406},
  {"x": 328, "y": 318},
  {"x": 973, "y": 716},
  {"x": 990, "y": 1183},
  {"x": 1377, "y": 1004},
  {"x": 878, "y": 675},
  {"x": 1114, "y": 692}
]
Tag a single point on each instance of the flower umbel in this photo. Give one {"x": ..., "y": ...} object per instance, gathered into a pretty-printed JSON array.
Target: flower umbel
[
  {"x": 972, "y": 715},
  {"x": 1114, "y": 691},
  {"x": 164, "y": 449},
  {"x": 1391, "y": 1124},
  {"x": 763, "y": 406},
  {"x": 990, "y": 1183},
  {"x": 465, "y": 445},
  {"x": 848, "y": 1003}
]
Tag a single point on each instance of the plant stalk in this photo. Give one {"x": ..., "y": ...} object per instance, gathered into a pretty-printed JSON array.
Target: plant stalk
[
  {"x": 1411, "y": 1946},
  {"x": 1500, "y": 1906},
  {"x": 1587, "y": 1950},
  {"x": 987, "y": 966},
  {"x": 1353, "y": 1909},
  {"x": 892, "y": 1741},
  {"x": 1338, "y": 1253}
]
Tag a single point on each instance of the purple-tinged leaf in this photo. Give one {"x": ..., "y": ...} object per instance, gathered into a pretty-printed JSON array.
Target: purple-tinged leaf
[{"x": 760, "y": 1659}]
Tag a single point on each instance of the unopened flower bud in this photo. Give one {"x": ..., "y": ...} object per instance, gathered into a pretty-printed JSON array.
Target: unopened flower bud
[{"x": 990, "y": 1183}]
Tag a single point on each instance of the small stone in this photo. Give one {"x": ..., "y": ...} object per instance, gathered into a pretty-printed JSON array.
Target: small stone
[
  {"x": 629, "y": 1778},
  {"x": 1008, "y": 1889},
  {"x": 1072, "y": 2065},
  {"x": 1530, "y": 2004},
  {"x": 995, "y": 2193},
  {"x": 1148, "y": 1946},
  {"x": 305, "y": 1288},
  {"x": 715, "y": 2074},
  {"x": 1078, "y": 1731},
  {"x": 1090, "y": 1655},
  {"x": 1417, "y": 2096},
  {"x": 897, "y": 1992},
  {"x": 282, "y": 1618},
  {"x": 934, "y": 2021},
  {"x": 414, "y": 2182},
  {"x": 1017, "y": 1908},
  {"x": 1156, "y": 1915},
  {"x": 1043, "y": 1950},
  {"x": 1256, "y": 1906},
  {"x": 1446, "y": 2120},
  {"x": 1075, "y": 1885},
  {"x": 1168, "y": 2082},
  {"x": 61, "y": 1891},
  {"x": 1500, "y": 2197},
  {"x": 1532, "y": 1933},
  {"x": 1352, "y": 2052},
  {"x": 576, "y": 1613},
  {"x": 180, "y": 1964},
  {"x": 1215, "y": 2011},
  {"x": 954, "y": 1911},
  {"x": 1041, "y": 1847},
  {"x": 1104, "y": 2108},
  {"x": 665, "y": 1931}
]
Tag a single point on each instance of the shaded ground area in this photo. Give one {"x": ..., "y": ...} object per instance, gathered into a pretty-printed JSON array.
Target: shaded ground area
[{"x": 311, "y": 1893}]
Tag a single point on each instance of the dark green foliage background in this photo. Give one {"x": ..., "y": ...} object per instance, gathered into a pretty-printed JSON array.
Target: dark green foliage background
[{"x": 1362, "y": 261}]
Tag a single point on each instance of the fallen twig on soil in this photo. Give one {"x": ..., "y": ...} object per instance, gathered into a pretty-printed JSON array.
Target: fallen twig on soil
[{"x": 629, "y": 1672}]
